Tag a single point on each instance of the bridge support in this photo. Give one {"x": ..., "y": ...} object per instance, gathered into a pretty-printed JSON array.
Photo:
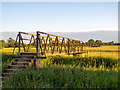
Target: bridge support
[
  {"x": 37, "y": 42},
  {"x": 38, "y": 63},
  {"x": 19, "y": 42}
]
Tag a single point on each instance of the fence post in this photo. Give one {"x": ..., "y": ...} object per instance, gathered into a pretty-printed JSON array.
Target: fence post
[
  {"x": 68, "y": 46},
  {"x": 82, "y": 47},
  {"x": 37, "y": 42},
  {"x": 19, "y": 42}
]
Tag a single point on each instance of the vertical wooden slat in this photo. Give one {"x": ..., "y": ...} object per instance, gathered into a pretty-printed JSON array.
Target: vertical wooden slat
[
  {"x": 61, "y": 45},
  {"x": 29, "y": 43},
  {"x": 23, "y": 43},
  {"x": 54, "y": 45},
  {"x": 82, "y": 47},
  {"x": 41, "y": 46},
  {"x": 57, "y": 44},
  {"x": 73, "y": 45},
  {"x": 37, "y": 42},
  {"x": 34, "y": 40},
  {"x": 15, "y": 43},
  {"x": 46, "y": 42},
  {"x": 68, "y": 46},
  {"x": 49, "y": 43},
  {"x": 19, "y": 42},
  {"x": 65, "y": 47},
  {"x": 78, "y": 45}
]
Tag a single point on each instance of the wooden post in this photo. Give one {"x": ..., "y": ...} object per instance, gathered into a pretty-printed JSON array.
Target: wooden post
[
  {"x": 78, "y": 45},
  {"x": 19, "y": 42},
  {"x": 68, "y": 46},
  {"x": 82, "y": 47},
  {"x": 38, "y": 63},
  {"x": 37, "y": 42}
]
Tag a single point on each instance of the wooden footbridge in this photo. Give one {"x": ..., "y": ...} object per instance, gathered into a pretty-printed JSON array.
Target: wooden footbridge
[
  {"x": 47, "y": 44},
  {"x": 39, "y": 46}
]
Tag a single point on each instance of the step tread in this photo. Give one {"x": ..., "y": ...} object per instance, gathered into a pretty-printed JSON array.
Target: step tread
[
  {"x": 4, "y": 77},
  {"x": 20, "y": 62},
  {"x": 22, "y": 58},
  {"x": 6, "y": 73},
  {"x": 11, "y": 69},
  {"x": 28, "y": 54},
  {"x": 19, "y": 65}
]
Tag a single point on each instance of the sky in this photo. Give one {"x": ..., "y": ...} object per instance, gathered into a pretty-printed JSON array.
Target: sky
[{"x": 59, "y": 16}]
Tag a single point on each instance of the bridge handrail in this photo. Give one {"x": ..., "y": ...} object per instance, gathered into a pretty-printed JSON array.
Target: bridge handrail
[
  {"x": 68, "y": 44},
  {"x": 58, "y": 36}
]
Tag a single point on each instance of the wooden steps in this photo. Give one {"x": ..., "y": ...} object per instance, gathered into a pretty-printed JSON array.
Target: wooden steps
[{"x": 20, "y": 62}]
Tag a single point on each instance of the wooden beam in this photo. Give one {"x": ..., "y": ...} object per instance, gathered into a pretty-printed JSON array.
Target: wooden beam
[
  {"x": 37, "y": 42},
  {"x": 15, "y": 43},
  {"x": 29, "y": 43},
  {"x": 59, "y": 36},
  {"x": 19, "y": 42},
  {"x": 27, "y": 33},
  {"x": 68, "y": 46}
]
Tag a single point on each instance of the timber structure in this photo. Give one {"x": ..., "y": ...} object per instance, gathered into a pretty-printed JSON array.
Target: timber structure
[
  {"x": 39, "y": 46},
  {"x": 48, "y": 44}
]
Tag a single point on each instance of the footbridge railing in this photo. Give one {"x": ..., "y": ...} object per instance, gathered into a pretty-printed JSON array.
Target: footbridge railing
[{"x": 43, "y": 43}]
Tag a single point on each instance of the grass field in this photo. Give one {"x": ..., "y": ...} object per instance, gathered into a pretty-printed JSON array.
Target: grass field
[
  {"x": 114, "y": 55},
  {"x": 95, "y": 70},
  {"x": 103, "y": 51},
  {"x": 59, "y": 77},
  {"x": 104, "y": 48},
  {"x": 68, "y": 72}
]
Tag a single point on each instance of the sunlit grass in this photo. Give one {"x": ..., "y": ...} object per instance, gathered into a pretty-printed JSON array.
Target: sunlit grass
[
  {"x": 81, "y": 71},
  {"x": 59, "y": 77},
  {"x": 86, "y": 63},
  {"x": 92, "y": 51},
  {"x": 104, "y": 48},
  {"x": 104, "y": 54}
]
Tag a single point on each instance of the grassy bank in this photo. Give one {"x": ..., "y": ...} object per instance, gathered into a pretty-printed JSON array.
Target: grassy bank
[
  {"x": 6, "y": 60},
  {"x": 65, "y": 71},
  {"x": 59, "y": 77},
  {"x": 88, "y": 63},
  {"x": 68, "y": 72}
]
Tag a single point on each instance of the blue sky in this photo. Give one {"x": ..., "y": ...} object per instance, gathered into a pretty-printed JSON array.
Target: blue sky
[{"x": 59, "y": 16}]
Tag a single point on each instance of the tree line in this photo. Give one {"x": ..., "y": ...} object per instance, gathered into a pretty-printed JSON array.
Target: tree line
[
  {"x": 98, "y": 43},
  {"x": 91, "y": 43}
]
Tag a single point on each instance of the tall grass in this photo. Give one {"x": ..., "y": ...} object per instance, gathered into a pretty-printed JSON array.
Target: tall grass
[
  {"x": 65, "y": 72},
  {"x": 59, "y": 77},
  {"x": 93, "y": 63},
  {"x": 6, "y": 60}
]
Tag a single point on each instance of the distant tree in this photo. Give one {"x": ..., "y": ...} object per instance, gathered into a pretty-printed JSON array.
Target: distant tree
[
  {"x": 111, "y": 43},
  {"x": 11, "y": 42},
  {"x": 3, "y": 44},
  {"x": 98, "y": 42},
  {"x": 87, "y": 43},
  {"x": 91, "y": 42},
  {"x": 106, "y": 43},
  {"x": 84, "y": 44}
]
